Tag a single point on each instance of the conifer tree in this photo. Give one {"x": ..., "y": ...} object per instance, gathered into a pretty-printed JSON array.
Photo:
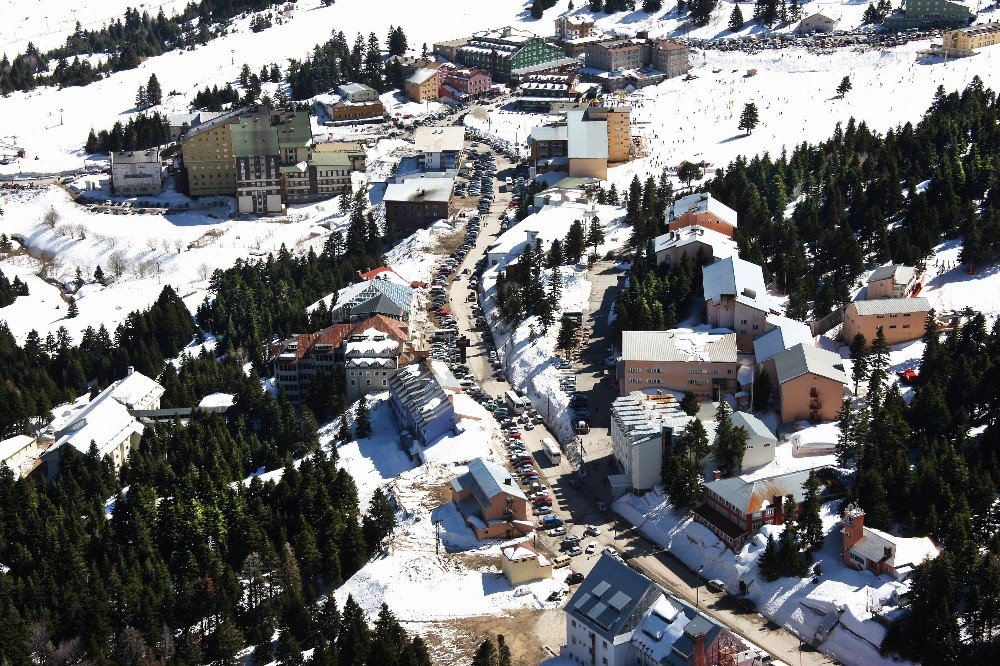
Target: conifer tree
[
  {"x": 845, "y": 86},
  {"x": 859, "y": 358},
  {"x": 730, "y": 442},
  {"x": 154, "y": 94},
  {"x": 575, "y": 244},
  {"x": 761, "y": 391},
  {"x": 74, "y": 309},
  {"x": 99, "y": 275},
  {"x": 595, "y": 234},
  {"x": 736, "y": 19},
  {"x": 362, "y": 420},
  {"x": 812, "y": 522},
  {"x": 690, "y": 403},
  {"x": 749, "y": 118}
]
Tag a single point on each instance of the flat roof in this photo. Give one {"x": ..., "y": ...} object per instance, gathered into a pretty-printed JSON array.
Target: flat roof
[
  {"x": 439, "y": 139},
  {"x": 884, "y": 306},
  {"x": 716, "y": 346},
  {"x": 420, "y": 189}
]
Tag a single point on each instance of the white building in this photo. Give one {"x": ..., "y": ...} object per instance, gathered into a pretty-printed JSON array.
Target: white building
[
  {"x": 641, "y": 425},
  {"x": 20, "y": 453},
  {"x": 370, "y": 357},
  {"x": 712, "y": 245},
  {"x": 761, "y": 442},
  {"x": 136, "y": 172},
  {"x": 107, "y": 422},
  {"x": 818, "y": 22},
  {"x": 440, "y": 147}
]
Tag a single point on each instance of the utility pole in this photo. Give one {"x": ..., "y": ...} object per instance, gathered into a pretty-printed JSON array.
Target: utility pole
[{"x": 697, "y": 592}]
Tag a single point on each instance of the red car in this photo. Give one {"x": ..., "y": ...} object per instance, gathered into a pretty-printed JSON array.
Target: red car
[
  {"x": 541, "y": 498},
  {"x": 515, "y": 435},
  {"x": 908, "y": 376}
]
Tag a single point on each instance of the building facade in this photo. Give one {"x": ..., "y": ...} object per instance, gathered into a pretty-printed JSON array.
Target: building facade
[
  {"x": 670, "y": 57},
  {"x": 503, "y": 51},
  {"x": 702, "y": 246},
  {"x": 618, "y": 55},
  {"x": 926, "y": 13},
  {"x": 523, "y": 563},
  {"x": 423, "y": 85},
  {"x": 736, "y": 298},
  {"x": 811, "y": 384},
  {"x": 470, "y": 81},
  {"x": 491, "y": 502},
  {"x": 880, "y": 552},
  {"x": 703, "y": 210},
  {"x": 619, "y": 120},
  {"x": 136, "y": 172},
  {"x": 357, "y": 92},
  {"x": 893, "y": 281},
  {"x": 417, "y": 202},
  {"x": 818, "y": 23},
  {"x": 965, "y": 41},
  {"x": 574, "y": 27},
  {"x": 419, "y": 403},
  {"x": 208, "y": 156},
  {"x": 703, "y": 363},
  {"x": 901, "y": 319}
]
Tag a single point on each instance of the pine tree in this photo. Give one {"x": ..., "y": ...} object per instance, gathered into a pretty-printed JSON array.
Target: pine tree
[
  {"x": 730, "y": 442},
  {"x": 736, "y": 19},
  {"x": 74, "y": 309},
  {"x": 99, "y": 275},
  {"x": 845, "y": 86},
  {"x": 690, "y": 403},
  {"x": 859, "y": 358},
  {"x": 650, "y": 6},
  {"x": 768, "y": 562},
  {"x": 761, "y": 391},
  {"x": 141, "y": 99},
  {"x": 575, "y": 244},
  {"x": 344, "y": 432},
  {"x": 811, "y": 522},
  {"x": 486, "y": 655},
  {"x": 567, "y": 336},
  {"x": 749, "y": 118},
  {"x": 379, "y": 522},
  {"x": 154, "y": 94},
  {"x": 362, "y": 420},
  {"x": 595, "y": 234}
]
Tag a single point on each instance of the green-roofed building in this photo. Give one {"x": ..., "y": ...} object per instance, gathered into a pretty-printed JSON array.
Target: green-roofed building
[{"x": 929, "y": 13}]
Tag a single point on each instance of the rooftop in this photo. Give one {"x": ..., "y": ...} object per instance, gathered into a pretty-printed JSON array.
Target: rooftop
[
  {"x": 786, "y": 333},
  {"x": 717, "y": 346},
  {"x": 588, "y": 139},
  {"x": 753, "y": 496},
  {"x": 489, "y": 478},
  {"x": 702, "y": 202},
  {"x": 900, "y": 274},
  {"x": 428, "y": 139},
  {"x": 753, "y": 425},
  {"x": 421, "y": 188},
  {"x": 735, "y": 277},
  {"x": 884, "y": 306},
  {"x": 806, "y": 359},
  {"x": 722, "y": 245},
  {"x": 136, "y": 156},
  {"x": 421, "y": 75},
  {"x": 609, "y": 597}
]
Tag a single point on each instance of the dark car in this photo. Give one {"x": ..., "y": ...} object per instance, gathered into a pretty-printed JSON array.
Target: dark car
[{"x": 574, "y": 578}]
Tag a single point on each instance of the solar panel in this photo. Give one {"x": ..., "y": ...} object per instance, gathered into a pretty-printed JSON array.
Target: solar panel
[
  {"x": 619, "y": 600},
  {"x": 601, "y": 588},
  {"x": 584, "y": 598},
  {"x": 595, "y": 613}
]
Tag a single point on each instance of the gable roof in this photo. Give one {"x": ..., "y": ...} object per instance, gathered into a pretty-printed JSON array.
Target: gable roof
[
  {"x": 609, "y": 597},
  {"x": 806, "y": 359},
  {"x": 722, "y": 245},
  {"x": 421, "y": 75},
  {"x": 884, "y": 306},
  {"x": 900, "y": 274},
  {"x": 733, "y": 276},
  {"x": 787, "y": 333},
  {"x": 753, "y": 425},
  {"x": 490, "y": 480},
  {"x": 753, "y": 496},
  {"x": 428, "y": 139},
  {"x": 679, "y": 345},
  {"x": 359, "y": 292},
  {"x": 903, "y": 551},
  {"x": 703, "y": 202},
  {"x": 136, "y": 388}
]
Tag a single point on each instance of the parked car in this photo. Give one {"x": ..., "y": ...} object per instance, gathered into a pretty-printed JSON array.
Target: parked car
[
  {"x": 593, "y": 530},
  {"x": 908, "y": 376},
  {"x": 574, "y": 551},
  {"x": 541, "y": 510},
  {"x": 574, "y": 578},
  {"x": 557, "y": 531},
  {"x": 715, "y": 585},
  {"x": 591, "y": 548}
]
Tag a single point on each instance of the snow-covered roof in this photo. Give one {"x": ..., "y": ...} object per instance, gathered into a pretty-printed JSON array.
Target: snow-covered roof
[
  {"x": 716, "y": 346},
  {"x": 735, "y": 277},
  {"x": 104, "y": 421},
  {"x": 900, "y": 274},
  {"x": 525, "y": 551},
  {"x": 884, "y": 306},
  {"x": 806, "y": 359},
  {"x": 429, "y": 139},
  {"x": 702, "y": 202},
  {"x": 421, "y": 75},
  {"x": 355, "y": 294},
  {"x": 370, "y": 343},
  {"x": 722, "y": 245},
  {"x": 11, "y": 446},
  {"x": 215, "y": 401},
  {"x": 136, "y": 389},
  {"x": 787, "y": 333},
  {"x": 752, "y": 496},
  {"x": 548, "y": 224},
  {"x": 421, "y": 188},
  {"x": 489, "y": 479}
]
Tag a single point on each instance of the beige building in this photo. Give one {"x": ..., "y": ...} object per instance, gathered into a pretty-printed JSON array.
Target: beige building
[
  {"x": 136, "y": 172},
  {"x": 819, "y": 22},
  {"x": 892, "y": 281},
  {"x": 901, "y": 319},
  {"x": 422, "y": 85},
  {"x": 208, "y": 157},
  {"x": 679, "y": 360},
  {"x": 523, "y": 563},
  {"x": 736, "y": 298},
  {"x": 670, "y": 57},
  {"x": 619, "y": 119},
  {"x": 584, "y": 143},
  {"x": 21, "y": 454},
  {"x": 965, "y": 41},
  {"x": 574, "y": 27},
  {"x": 761, "y": 442},
  {"x": 811, "y": 384}
]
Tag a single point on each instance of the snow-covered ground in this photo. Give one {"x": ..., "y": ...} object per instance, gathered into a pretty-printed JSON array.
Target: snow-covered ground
[{"x": 795, "y": 604}]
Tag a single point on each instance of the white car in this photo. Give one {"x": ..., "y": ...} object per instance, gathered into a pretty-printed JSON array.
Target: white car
[
  {"x": 591, "y": 548},
  {"x": 593, "y": 530}
]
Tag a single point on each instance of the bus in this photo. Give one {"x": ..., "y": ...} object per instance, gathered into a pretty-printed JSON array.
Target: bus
[
  {"x": 551, "y": 450},
  {"x": 515, "y": 402}
]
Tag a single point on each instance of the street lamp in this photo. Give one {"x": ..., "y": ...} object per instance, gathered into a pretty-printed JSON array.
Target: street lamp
[{"x": 697, "y": 589}]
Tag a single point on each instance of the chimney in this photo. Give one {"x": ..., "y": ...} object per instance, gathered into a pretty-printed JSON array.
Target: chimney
[
  {"x": 130, "y": 370},
  {"x": 779, "y": 509},
  {"x": 854, "y": 525},
  {"x": 716, "y": 474},
  {"x": 886, "y": 553},
  {"x": 698, "y": 658}
]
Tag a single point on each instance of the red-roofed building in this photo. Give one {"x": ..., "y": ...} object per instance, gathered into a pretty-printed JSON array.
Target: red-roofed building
[{"x": 367, "y": 351}]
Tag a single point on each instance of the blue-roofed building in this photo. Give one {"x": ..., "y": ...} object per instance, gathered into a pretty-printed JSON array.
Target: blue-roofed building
[
  {"x": 491, "y": 502},
  {"x": 618, "y": 617},
  {"x": 371, "y": 297},
  {"x": 419, "y": 404}
]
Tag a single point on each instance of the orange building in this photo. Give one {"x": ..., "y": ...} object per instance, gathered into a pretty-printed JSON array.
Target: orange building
[
  {"x": 901, "y": 319},
  {"x": 491, "y": 502},
  {"x": 811, "y": 384},
  {"x": 703, "y": 210},
  {"x": 703, "y": 363},
  {"x": 423, "y": 85}
]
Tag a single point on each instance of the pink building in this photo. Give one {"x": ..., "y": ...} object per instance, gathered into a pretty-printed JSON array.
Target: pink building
[
  {"x": 466, "y": 80},
  {"x": 736, "y": 298}
]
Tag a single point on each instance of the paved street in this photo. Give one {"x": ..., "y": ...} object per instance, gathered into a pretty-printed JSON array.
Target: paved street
[{"x": 575, "y": 499}]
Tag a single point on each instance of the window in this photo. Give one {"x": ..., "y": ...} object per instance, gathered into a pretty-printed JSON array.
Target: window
[{"x": 604, "y": 644}]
